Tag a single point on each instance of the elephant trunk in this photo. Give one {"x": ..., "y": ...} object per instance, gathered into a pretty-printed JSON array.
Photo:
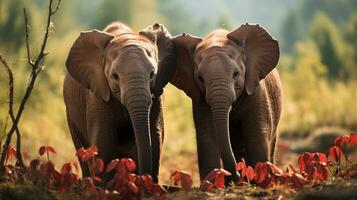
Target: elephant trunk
[
  {"x": 220, "y": 98},
  {"x": 138, "y": 101}
]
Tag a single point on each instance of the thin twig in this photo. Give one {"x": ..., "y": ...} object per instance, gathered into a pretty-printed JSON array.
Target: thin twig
[
  {"x": 35, "y": 71},
  {"x": 11, "y": 110},
  {"x": 29, "y": 60}
]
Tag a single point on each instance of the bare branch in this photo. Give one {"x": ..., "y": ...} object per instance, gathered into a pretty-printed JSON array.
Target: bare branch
[
  {"x": 11, "y": 109},
  {"x": 57, "y": 7},
  {"x": 27, "y": 39},
  {"x": 35, "y": 71}
]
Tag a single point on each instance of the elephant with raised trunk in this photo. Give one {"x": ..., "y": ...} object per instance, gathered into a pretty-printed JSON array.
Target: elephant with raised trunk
[
  {"x": 108, "y": 94},
  {"x": 236, "y": 95}
]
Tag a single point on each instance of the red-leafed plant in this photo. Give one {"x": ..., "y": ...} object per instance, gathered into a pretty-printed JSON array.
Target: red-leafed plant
[
  {"x": 214, "y": 180},
  {"x": 11, "y": 153},
  {"x": 95, "y": 166},
  {"x": 127, "y": 185},
  {"x": 246, "y": 172},
  {"x": 182, "y": 177},
  {"x": 347, "y": 140}
]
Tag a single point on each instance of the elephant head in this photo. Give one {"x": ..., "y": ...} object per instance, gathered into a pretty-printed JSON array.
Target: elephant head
[
  {"x": 167, "y": 55},
  {"x": 220, "y": 68},
  {"x": 119, "y": 68}
]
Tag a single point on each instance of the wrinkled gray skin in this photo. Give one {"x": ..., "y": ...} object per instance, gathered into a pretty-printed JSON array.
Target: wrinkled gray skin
[
  {"x": 108, "y": 96},
  {"x": 236, "y": 95}
]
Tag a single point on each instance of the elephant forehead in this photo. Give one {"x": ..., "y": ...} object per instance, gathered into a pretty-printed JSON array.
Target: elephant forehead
[
  {"x": 217, "y": 51},
  {"x": 131, "y": 47},
  {"x": 133, "y": 39}
]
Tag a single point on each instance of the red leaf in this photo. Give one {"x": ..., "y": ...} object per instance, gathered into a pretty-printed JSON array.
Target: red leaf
[
  {"x": 112, "y": 165},
  {"x": 50, "y": 149},
  {"x": 56, "y": 175},
  {"x": 86, "y": 154},
  {"x": 298, "y": 180},
  {"x": 75, "y": 164},
  {"x": 346, "y": 140},
  {"x": 147, "y": 181},
  {"x": 335, "y": 153},
  {"x": 212, "y": 175},
  {"x": 26, "y": 155},
  {"x": 320, "y": 157},
  {"x": 98, "y": 165},
  {"x": 261, "y": 172},
  {"x": 34, "y": 164},
  {"x": 92, "y": 150},
  {"x": 158, "y": 190},
  {"x": 311, "y": 172},
  {"x": 225, "y": 172},
  {"x": 186, "y": 181},
  {"x": 47, "y": 167},
  {"x": 342, "y": 140},
  {"x": 293, "y": 168},
  {"x": 129, "y": 164},
  {"x": 42, "y": 150},
  {"x": 323, "y": 173},
  {"x": 304, "y": 160},
  {"x": 97, "y": 179},
  {"x": 66, "y": 168},
  {"x": 133, "y": 187},
  {"x": 240, "y": 166},
  {"x": 219, "y": 181},
  {"x": 183, "y": 177},
  {"x": 274, "y": 168},
  {"x": 207, "y": 186},
  {"x": 250, "y": 173},
  {"x": 81, "y": 152},
  {"x": 352, "y": 139},
  {"x": 10, "y": 152}
]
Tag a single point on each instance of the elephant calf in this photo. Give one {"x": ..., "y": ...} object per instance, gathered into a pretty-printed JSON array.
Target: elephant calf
[
  {"x": 236, "y": 94},
  {"x": 108, "y": 95}
]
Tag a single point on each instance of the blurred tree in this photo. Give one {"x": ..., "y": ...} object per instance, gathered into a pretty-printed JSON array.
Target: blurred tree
[
  {"x": 330, "y": 44},
  {"x": 351, "y": 37},
  {"x": 337, "y": 11},
  {"x": 291, "y": 31},
  {"x": 144, "y": 13},
  {"x": 179, "y": 20},
  {"x": 224, "y": 22},
  {"x": 109, "y": 11},
  {"x": 301, "y": 85},
  {"x": 11, "y": 24}
]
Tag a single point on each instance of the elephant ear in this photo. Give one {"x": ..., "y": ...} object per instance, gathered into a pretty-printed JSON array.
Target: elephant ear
[
  {"x": 158, "y": 34},
  {"x": 84, "y": 62},
  {"x": 184, "y": 77},
  {"x": 260, "y": 53}
]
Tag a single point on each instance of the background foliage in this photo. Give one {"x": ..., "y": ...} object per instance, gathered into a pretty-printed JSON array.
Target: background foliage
[{"x": 318, "y": 65}]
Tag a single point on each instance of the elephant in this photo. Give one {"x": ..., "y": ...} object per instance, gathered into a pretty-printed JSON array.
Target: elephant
[
  {"x": 236, "y": 95},
  {"x": 110, "y": 99}
]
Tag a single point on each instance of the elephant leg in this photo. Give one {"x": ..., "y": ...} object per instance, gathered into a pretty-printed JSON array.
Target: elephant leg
[
  {"x": 272, "y": 149},
  {"x": 157, "y": 135},
  {"x": 255, "y": 134},
  {"x": 103, "y": 134},
  {"x": 235, "y": 129},
  {"x": 79, "y": 142},
  {"x": 207, "y": 146}
]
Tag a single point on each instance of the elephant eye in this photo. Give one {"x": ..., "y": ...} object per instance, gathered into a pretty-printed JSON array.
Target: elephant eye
[
  {"x": 152, "y": 74},
  {"x": 235, "y": 75},
  {"x": 114, "y": 76}
]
